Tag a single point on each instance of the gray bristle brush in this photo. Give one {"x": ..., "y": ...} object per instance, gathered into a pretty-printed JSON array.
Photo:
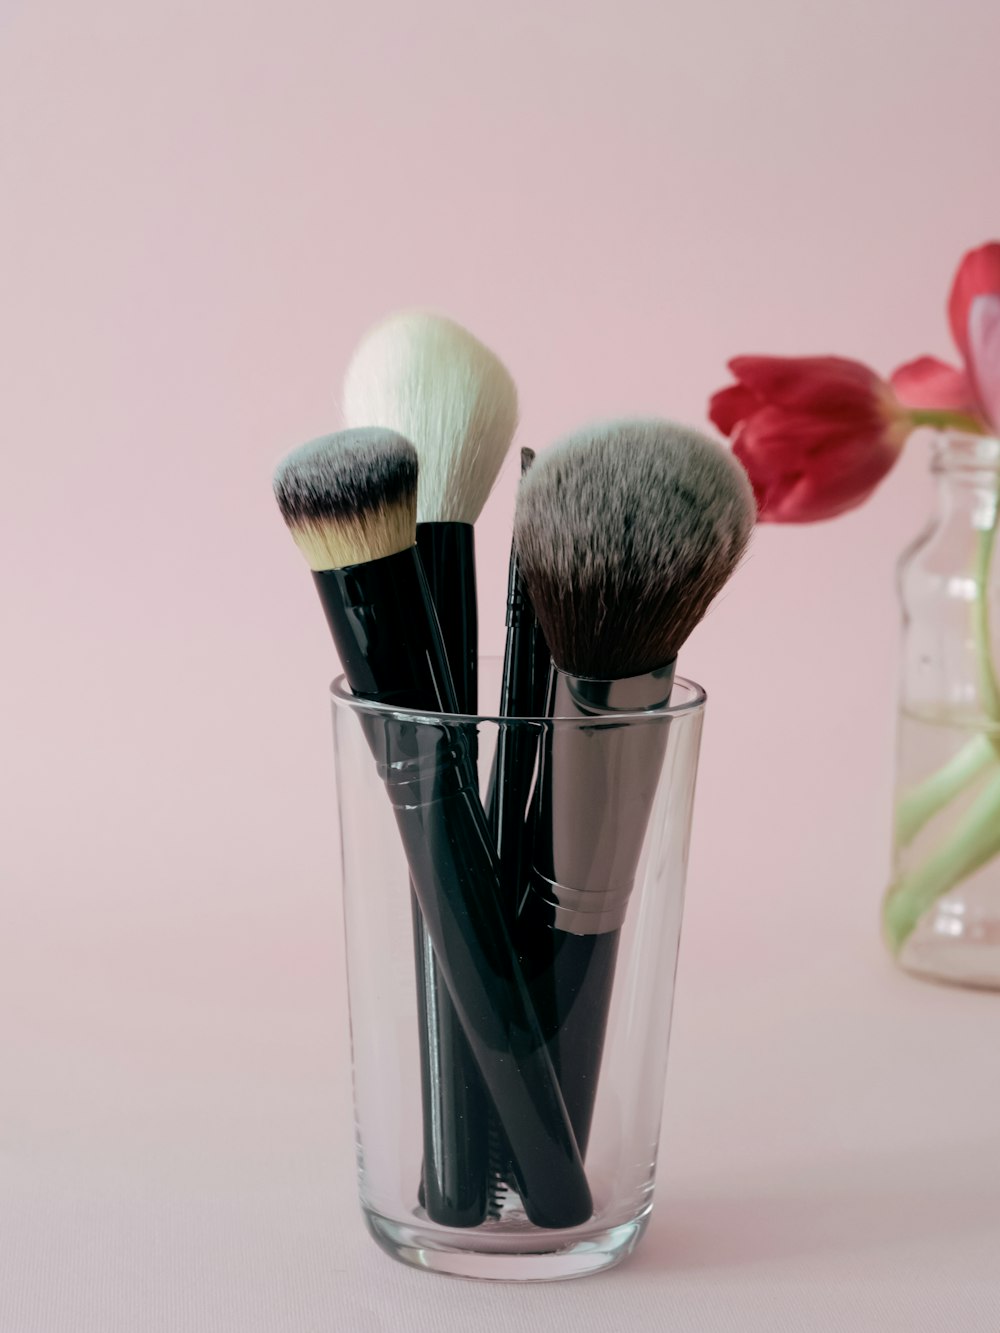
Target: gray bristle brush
[
  {"x": 351, "y": 498},
  {"x": 625, "y": 532},
  {"x": 430, "y": 379}
]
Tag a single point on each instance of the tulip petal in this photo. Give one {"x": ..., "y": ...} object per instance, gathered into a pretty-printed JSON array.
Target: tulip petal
[
  {"x": 978, "y": 275},
  {"x": 728, "y": 407},
  {"x": 775, "y": 440},
  {"x": 815, "y": 434},
  {"x": 927, "y": 382},
  {"x": 805, "y": 468},
  {"x": 984, "y": 354},
  {"x": 828, "y": 385},
  {"x": 816, "y": 494}
]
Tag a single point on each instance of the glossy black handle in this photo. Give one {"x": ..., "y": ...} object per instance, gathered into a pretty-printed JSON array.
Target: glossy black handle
[
  {"x": 596, "y": 786},
  {"x": 447, "y": 553},
  {"x": 436, "y": 802},
  {"x": 571, "y": 980},
  {"x": 385, "y": 627},
  {"x": 455, "y": 1176},
  {"x": 387, "y": 635},
  {"x": 383, "y": 621},
  {"x": 523, "y": 693}
]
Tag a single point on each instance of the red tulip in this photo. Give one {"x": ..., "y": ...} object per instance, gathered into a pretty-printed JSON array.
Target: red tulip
[
  {"x": 974, "y": 314},
  {"x": 816, "y": 433}
]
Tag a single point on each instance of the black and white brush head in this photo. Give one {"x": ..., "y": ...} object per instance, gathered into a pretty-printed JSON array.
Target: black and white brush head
[
  {"x": 431, "y": 380},
  {"x": 349, "y": 498},
  {"x": 625, "y": 532}
]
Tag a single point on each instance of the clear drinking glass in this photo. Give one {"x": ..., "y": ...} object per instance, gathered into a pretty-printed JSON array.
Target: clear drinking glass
[
  {"x": 942, "y": 911},
  {"x": 626, "y": 1091}
]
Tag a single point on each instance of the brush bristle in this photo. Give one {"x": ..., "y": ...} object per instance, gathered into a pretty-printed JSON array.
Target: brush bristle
[
  {"x": 349, "y": 498},
  {"x": 625, "y": 532},
  {"x": 432, "y": 381}
]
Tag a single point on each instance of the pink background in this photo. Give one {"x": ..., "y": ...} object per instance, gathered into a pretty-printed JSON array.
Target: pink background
[{"x": 201, "y": 208}]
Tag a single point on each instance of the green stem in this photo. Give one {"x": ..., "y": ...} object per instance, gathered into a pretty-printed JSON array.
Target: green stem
[
  {"x": 976, "y": 838},
  {"x": 974, "y": 841},
  {"x": 943, "y": 420},
  {"x": 984, "y": 651},
  {"x": 921, "y": 803}
]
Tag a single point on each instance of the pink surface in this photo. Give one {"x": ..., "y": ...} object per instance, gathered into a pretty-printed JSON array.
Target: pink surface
[{"x": 203, "y": 207}]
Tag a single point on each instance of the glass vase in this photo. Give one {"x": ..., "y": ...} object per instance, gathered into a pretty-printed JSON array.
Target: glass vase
[
  {"x": 604, "y": 1033},
  {"x": 941, "y": 913}
]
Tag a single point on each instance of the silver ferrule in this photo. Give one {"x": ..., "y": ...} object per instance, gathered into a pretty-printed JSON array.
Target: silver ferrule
[
  {"x": 596, "y": 791},
  {"x": 595, "y": 698},
  {"x": 574, "y": 912},
  {"x": 421, "y": 760}
]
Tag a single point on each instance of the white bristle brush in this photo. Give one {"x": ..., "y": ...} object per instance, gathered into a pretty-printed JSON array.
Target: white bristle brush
[
  {"x": 431, "y": 380},
  {"x": 428, "y": 378}
]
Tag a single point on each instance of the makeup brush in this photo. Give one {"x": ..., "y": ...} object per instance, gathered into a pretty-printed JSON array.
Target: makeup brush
[
  {"x": 523, "y": 693},
  {"x": 431, "y": 380},
  {"x": 350, "y": 503},
  {"x": 625, "y": 533}
]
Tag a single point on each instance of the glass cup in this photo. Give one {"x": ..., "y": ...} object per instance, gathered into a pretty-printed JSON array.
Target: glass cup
[{"x": 509, "y": 1037}]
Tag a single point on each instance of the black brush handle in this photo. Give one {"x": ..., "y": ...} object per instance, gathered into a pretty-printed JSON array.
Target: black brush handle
[
  {"x": 595, "y": 791},
  {"x": 454, "y": 1184},
  {"x": 523, "y": 693},
  {"x": 381, "y": 621},
  {"x": 448, "y": 553},
  {"x": 517, "y": 746},
  {"x": 435, "y": 797},
  {"x": 385, "y": 629},
  {"x": 571, "y": 979},
  {"x": 454, "y": 1187},
  {"x": 506, "y": 802}
]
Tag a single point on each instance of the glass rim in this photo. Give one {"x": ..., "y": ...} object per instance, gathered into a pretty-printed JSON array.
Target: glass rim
[{"x": 691, "y": 707}]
